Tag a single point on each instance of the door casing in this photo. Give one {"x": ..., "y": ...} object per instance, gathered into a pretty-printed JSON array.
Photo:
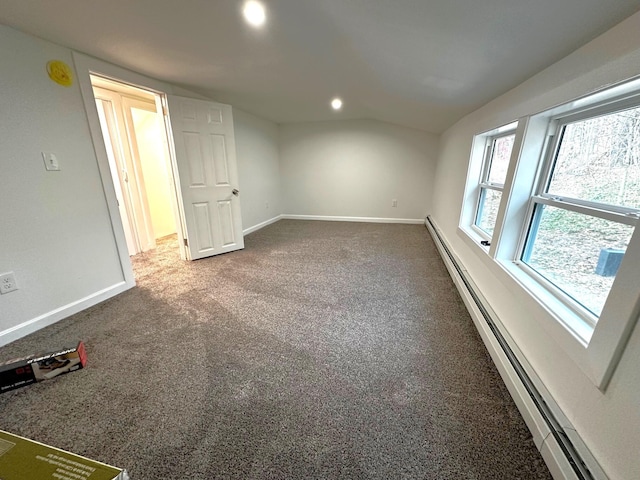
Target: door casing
[
  {"x": 127, "y": 159},
  {"x": 86, "y": 66}
]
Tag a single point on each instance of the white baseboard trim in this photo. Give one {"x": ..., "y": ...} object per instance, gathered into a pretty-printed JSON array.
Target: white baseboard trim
[
  {"x": 330, "y": 218},
  {"x": 14, "y": 333},
  {"x": 260, "y": 225},
  {"x": 551, "y": 451}
]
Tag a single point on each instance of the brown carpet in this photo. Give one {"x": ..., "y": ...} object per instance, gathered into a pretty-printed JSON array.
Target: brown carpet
[{"x": 324, "y": 350}]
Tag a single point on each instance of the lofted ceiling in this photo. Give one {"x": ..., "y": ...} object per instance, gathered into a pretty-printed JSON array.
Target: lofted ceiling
[{"x": 418, "y": 63}]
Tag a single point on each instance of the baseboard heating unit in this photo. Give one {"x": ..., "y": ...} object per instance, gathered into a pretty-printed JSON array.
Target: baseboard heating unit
[{"x": 563, "y": 450}]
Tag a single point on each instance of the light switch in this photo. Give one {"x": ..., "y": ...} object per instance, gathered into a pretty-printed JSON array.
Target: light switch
[{"x": 50, "y": 162}]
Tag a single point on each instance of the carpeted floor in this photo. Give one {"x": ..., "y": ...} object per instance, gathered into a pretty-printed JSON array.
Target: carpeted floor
[{"x": 324, "y": 350}]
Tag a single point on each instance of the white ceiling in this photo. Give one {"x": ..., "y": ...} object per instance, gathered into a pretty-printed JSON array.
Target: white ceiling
[{"x": 418, "y": 63}]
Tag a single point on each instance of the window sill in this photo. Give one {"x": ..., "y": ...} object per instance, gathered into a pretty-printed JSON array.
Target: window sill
[
  {"x": 578, "y": 327},
  {"x": 595, "y": 351},
  {"x": 565, "y": 327},
  {"x": 473, "y": 239}
]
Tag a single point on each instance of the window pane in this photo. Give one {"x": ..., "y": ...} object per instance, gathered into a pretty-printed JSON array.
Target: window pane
[
  {"x": 565, "y": 247},
  {"x": 488, "y": 209},
  {"x": 599, "y": 160},
  {"x": 500, "y": 156}
]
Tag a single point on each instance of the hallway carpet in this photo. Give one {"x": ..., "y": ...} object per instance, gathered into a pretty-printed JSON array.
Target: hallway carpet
[{"x": 324, "y": 350}]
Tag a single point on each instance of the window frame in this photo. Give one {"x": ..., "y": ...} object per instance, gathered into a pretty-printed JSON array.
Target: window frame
[
  {"x": 484, "y": 184},
  {"x": 597, "y": 348},
  {"x": 540, "y": 196},
  {"x": 478, "y": 183}
]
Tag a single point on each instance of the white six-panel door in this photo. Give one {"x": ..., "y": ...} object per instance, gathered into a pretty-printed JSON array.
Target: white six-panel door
[{"x": 205, "y": 155}]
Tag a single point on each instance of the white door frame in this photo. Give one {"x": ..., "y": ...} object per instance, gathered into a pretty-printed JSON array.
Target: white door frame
[
  {"x": 117, "y": 174},
  {"x": 127, "y": 158},
  {"x": 84, "y": 66}
]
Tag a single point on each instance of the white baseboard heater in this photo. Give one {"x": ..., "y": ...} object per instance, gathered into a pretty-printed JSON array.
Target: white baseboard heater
[{"x": 562, "y": 448}]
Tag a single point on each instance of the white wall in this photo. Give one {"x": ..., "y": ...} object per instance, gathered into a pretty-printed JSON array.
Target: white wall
[
  {"x": 258, "y": 168},
  {"x": 608, "y": 422},
  {"x": 55, "y": 229},
  {"x": 355, "y": 168}
]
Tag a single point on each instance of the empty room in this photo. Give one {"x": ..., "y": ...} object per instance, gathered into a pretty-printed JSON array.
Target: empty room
[{"x": 336, "y": 239}]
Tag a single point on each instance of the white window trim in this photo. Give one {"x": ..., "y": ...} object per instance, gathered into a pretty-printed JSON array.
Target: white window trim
[
  {"x": 477, "y": 179},
  {"x": 485, "y": 183},
  {"x": 614, "y": 213},
  {"x": 595, "y": 350},
  {"x": 619, "y": 214}
]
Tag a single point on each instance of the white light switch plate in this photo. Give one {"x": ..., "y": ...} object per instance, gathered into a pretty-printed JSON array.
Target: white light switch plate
[{"x": 50, "y": 162}]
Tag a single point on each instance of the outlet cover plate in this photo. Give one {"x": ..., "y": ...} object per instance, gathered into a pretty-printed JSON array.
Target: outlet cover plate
[{"x": 8, "y": 283}]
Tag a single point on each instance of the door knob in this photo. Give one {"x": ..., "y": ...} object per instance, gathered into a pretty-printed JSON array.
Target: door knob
[{"x": 235, "y": 192}]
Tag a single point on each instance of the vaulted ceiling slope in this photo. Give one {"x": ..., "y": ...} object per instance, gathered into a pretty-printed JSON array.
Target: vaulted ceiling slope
[{"x": 418, "y": 63}]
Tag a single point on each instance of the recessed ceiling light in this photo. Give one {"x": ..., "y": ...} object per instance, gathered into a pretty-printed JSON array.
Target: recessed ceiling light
[
  {"x": 253, "y": 12},
  {"x": 336, "y": 104}
]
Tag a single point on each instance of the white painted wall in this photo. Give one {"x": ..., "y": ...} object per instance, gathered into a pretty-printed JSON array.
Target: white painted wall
[
  {"x": 608, "y": 422},
  {"x": 355, "y": 168},
  {"x": 258, "y": 168},
  {"x": 55, "y": 229}
]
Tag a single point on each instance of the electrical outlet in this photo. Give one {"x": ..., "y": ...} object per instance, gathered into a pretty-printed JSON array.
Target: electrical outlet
[
  {"x": 394, "y": 202},
  {"x": 8, "y": 283}
]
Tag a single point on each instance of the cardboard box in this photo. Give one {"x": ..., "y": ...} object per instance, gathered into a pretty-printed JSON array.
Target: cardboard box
[
  {"x": 21, "y": 372},
  {"x": 24, "y": 459}
]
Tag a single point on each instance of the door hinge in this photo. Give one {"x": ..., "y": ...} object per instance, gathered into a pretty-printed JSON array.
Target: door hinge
[
  {"x": 165, "y": 112},
  {"x": 186, "y": 243}
]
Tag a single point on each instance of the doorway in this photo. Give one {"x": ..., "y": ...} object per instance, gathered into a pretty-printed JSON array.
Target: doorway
[
  {"x": 198, "y": 143},
  {"x": 139, "y": 161}
]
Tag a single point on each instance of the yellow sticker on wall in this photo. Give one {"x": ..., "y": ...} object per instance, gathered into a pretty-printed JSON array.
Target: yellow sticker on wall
[{"x": 60, "y": 72}]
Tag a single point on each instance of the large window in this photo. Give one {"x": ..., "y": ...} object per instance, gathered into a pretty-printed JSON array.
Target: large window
[
  {"x": 494, "y": 171},
  {"x": 556, "y": 220},
  {"x": 490, "y": 157},
  {"x": 585, "y": 207}
]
